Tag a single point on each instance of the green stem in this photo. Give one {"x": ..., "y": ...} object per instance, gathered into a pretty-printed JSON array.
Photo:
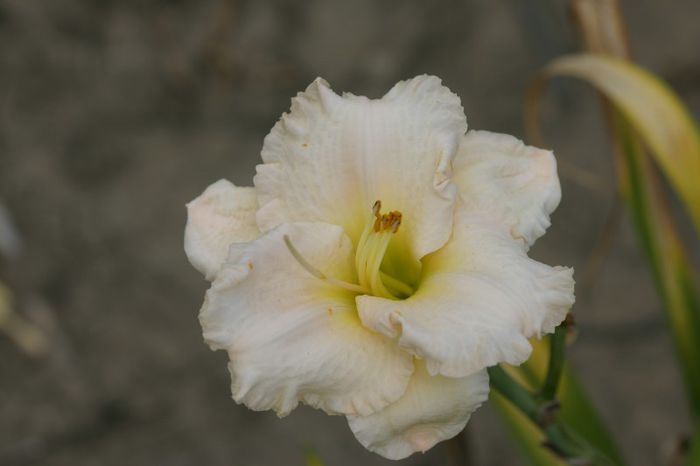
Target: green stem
[
  {"x": 513, "y": 391},
  {"x": 560, "y": 438},
  {"x": 557, "y": 347}
]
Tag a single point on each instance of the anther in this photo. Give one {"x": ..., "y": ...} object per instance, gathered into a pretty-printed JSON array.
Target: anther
[
  {"x": 376, "y": 208},
  {"x": 387, "y": 222},
  {"x": 370, "y": 253},
  {"x": 396, "y": 224}
]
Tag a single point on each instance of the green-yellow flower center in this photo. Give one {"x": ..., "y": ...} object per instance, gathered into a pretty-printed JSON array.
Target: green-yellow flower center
[{"x": 369, "y": 255}]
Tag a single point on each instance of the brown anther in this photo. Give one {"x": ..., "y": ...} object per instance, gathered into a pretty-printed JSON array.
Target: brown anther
[
  {"x": 396, "y": 223},
  {"x": 390, "y": 221},
  {"x": 386, "y": 221},
  {"x": 376, "y": 208}
]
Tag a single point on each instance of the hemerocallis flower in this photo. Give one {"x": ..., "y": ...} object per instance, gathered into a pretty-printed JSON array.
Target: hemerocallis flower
[{"x": 379, "y": 264}]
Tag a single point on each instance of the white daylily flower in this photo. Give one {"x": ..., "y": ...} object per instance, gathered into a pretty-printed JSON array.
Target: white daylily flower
[{"x": 387, "y": 312}]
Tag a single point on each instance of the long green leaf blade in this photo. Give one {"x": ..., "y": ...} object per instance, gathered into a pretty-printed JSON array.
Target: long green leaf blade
[{"x": 670, "y": 265}]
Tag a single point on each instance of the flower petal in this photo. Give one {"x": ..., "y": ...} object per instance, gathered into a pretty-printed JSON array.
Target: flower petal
[
  {"x": 433, "y": 409},
  {"x": 494, "y": 169},
  {"x": 221, "y": 215},
  {"x": 332, "y": 157},
  {"x": 293, "y": 337},
  {"x": 479, "y": 300}
]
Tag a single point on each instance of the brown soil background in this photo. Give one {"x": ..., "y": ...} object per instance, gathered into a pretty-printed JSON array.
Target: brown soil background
[{"x": 113, "y": 114}]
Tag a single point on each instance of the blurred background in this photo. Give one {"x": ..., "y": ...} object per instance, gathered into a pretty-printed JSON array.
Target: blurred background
[{"x": 115, "y": 113}]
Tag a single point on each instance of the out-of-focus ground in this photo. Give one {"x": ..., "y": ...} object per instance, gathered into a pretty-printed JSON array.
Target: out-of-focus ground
[{"x": 114, "y": 114}]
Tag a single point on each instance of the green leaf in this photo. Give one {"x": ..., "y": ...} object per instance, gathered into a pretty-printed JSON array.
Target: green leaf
[
  {"x": 656, "y": 114},
  {"x": 672, "y": 270}
]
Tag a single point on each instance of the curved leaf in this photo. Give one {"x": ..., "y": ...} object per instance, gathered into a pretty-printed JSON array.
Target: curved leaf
[{"x": 653, "y": 110}]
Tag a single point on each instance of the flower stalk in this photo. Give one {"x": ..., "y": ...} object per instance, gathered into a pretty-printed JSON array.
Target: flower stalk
[
  {"x": 557, "y": 357},
  {"x": 559, "y": 437}
]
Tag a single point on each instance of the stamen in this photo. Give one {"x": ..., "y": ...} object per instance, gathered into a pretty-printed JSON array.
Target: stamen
[
  {"x": 398, "y": 286},
  {"x": 376, "y": 257},
  {"x": 370, "y": 253},
  {"x": 320, "y": 275}
]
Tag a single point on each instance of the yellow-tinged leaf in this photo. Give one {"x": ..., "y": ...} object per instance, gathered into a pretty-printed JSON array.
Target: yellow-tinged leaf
[
  {"x": 653, "y": 110},
  {"x": 669, "y": 263}
]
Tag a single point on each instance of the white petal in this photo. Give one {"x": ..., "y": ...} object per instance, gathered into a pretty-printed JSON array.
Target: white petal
[
  {"x": 479, "y": 300},
  {"x": 499, "y": 170},
  {"x": 221, "y": 215},
  {"x": 292, "y": 337},
  {"x": 433, "y": 409},
  {"x": 332, "y": 157}
]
